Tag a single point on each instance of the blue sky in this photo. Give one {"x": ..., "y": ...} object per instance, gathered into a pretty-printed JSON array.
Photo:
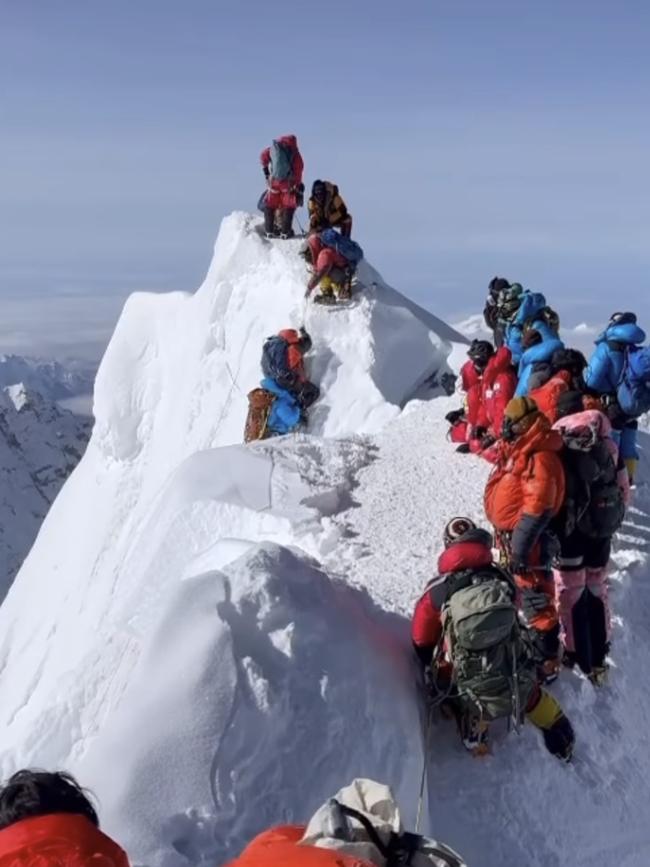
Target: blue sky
[{"x": 469, "y": 137}]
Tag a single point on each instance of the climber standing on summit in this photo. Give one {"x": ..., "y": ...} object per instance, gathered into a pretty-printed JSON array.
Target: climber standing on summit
[
  {"x": 283, "y": 166},
  {"x": 491, "y": 311}
]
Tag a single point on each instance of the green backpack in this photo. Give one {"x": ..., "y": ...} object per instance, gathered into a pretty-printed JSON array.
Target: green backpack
[{"x": 491, "y": 657}]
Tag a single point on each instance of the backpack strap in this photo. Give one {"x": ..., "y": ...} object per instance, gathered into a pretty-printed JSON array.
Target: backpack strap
[
  {"x": 401, "y": 848},
  {"x": 342, "y": 811}
]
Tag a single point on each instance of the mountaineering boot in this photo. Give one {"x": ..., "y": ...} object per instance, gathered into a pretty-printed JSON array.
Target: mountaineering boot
[
  {"x": 285, "y": 220},
  {"x": 327, "y": 295},
  {"x": 569, "y": 659},
  {"x": 269, "y": 223},
  {"x": 474, "y": 734},
  {"x": 599, "y": 675},
  {"x": 549, "y": 670},
  {"x": 549, "y": 718},
  {"x": 327, "y": 298},
  {"x": 630, "y": 465}
]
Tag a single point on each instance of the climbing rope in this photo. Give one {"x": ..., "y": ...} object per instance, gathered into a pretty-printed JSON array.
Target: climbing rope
[{"x": 423, "y": 778}]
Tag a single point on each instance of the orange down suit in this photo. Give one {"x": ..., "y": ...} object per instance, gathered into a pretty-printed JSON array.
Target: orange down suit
[
  {"x": 278, "y": 847},
  {"x": 525, "y": 490}
]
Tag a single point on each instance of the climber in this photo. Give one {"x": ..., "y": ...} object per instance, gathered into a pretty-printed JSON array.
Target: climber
[
  {"x": 550, "y": 379},
  {"x": 327, "y": 209},
  {"x": 619, "y": 371},
  {"x": 282, "y": 166},
  {"x": 334, "y": 259},
  {"x": 46, "y": 818},
  {"x": 360, "y": 826},
  {"x": 524, "y": 492},
  {"x": 280, "y": 405},
  {"x": 491, "y": 309},
  {"x": 475, "y": 680},
  {"x": 517, "y": 306},
  {"x": 597, "y": 491},
  {"x": 471, "y": 375},
  {"x": 498, "y": 387},
  {"x": 539, "y": 340}
]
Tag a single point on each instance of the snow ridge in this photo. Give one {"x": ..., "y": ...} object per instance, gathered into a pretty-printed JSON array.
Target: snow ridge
[{"x": 228, "y": 624}]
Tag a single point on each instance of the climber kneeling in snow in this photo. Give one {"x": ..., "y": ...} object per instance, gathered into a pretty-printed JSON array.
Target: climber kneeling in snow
[
  {"x": 360, "y": 826},
  {"x": 524, "y": 492},
  {"x": 282, "y": 166},
  {"x": 327, "y": 210},
  {"x": 334, "y": 259},
  {"x": 477, "y": 656},
  {"x": 46, "y": 818},
  {"x": 280, "y": 405},
  {"x": 597, "y": 491}
]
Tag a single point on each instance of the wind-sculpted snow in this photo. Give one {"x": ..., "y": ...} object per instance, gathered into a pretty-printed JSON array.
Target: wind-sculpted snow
[
  {"x": 254, "y": 664},
  {"x": 214, "y": 636}
]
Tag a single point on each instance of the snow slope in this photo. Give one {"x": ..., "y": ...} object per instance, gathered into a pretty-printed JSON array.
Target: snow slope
[
  {"x": 221, "y": 634},
  {"x": 40, "y": 444},
  {"x": 159, "y": 510}
]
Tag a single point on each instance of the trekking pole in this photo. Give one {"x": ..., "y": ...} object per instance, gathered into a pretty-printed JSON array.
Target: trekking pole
[
  {"x": 424, "y": 771},
  {"x": 302, "y": 231}
]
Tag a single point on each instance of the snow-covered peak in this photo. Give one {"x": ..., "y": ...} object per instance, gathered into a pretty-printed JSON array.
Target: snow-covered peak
[
  {"x": 175, "y": 376},
  {"x": 40, "y": 444},
  {"x": 51, "y": 379}
]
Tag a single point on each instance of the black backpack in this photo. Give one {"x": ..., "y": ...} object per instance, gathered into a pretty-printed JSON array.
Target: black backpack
[
  {"x": 606, "y": 508},
  {"x": 594, "y": 503},
  {"x": 274, "y": 362}
]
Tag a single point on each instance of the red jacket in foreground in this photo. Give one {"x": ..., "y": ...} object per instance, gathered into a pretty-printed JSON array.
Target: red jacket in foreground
[
  {"x": 278, "y": 847},
  {"x": 60, "y": 839},
  {"x": 282, "y": 194},
  {"x": 426, "y": 626}
]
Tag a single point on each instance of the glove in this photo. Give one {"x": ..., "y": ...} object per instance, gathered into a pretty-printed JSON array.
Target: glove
[
  {"x": 518, "y": 565},
  {"x": 487, "y": 440},
  {"x": 463, "y": 449},
  {"x": 454, "y": 416}
]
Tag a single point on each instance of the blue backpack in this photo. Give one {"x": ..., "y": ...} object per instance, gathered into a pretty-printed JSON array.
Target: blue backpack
[
  {"x": 274, "y": 362},
  {"x": 281, "y": 161},
  {"x": 633, "y": 392},
  {"x": 348, "y": 248}
]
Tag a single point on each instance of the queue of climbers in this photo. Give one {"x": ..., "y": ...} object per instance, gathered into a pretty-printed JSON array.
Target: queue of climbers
[
  {"x": 280, "y": 404},
  {"x": 329, "y": 249},
  {"x": 560, "y": 434}
]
